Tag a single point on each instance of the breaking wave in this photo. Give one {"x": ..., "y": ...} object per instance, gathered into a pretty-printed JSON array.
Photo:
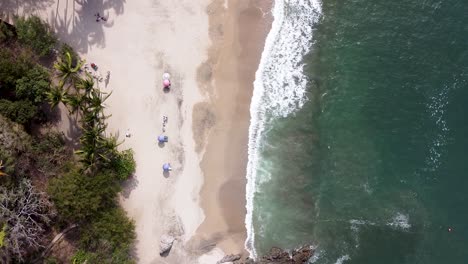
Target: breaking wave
[{"x": 280, "y": 85}]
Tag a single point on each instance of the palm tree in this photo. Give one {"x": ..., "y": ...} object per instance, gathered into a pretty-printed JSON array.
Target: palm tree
[
  {"x": 86, "y": 84},
  {"x": 92, "y": 141},
  {"x": 56, "y": 95},
  {"x": 109, "y": 146},
  {"x": 74, "y": 102},
  {"x": 65, "y": 68}
]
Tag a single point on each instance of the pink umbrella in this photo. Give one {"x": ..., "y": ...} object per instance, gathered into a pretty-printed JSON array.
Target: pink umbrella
[{"x": 166, "y": 83}]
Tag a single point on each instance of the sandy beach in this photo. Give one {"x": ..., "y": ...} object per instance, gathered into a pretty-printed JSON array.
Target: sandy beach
[
  {"x": 211, "y": 50},
  {"x": 238, "y": 34}
]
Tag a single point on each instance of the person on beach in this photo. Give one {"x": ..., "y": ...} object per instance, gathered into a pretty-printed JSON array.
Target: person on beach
[
  {"x": 98, "y": 17},
  {"x": 127, "y": 134}
]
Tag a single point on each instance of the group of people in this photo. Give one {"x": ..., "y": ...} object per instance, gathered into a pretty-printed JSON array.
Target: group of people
[
  {"x": 99, "y": 17},
  {"x": 95, "y": 73}
]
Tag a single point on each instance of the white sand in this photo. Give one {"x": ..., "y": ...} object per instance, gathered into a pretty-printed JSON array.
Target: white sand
[{"x": 138, "y": 43}]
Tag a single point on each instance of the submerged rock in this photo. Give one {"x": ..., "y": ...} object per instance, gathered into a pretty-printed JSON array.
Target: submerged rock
[
  {"x": 165, "y": 244},
  {"x": 229, "y": 258}
]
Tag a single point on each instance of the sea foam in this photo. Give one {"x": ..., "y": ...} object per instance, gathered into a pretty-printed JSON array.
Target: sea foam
[{"x": 280, "y": 85}]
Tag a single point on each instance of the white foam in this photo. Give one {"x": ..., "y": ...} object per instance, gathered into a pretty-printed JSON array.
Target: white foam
[
  {"x": 317, "y": 255},
  {"x": 342, "y": 259},
  {"x": 437, "y": 109},
  {"x": 400, "y": 221},
  {"x": 280, "y": 85}
]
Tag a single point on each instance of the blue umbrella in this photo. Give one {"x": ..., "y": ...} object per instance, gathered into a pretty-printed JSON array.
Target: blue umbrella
[
  {"x": 167, "y": 167},
  {"x": 162, "y": 139}
]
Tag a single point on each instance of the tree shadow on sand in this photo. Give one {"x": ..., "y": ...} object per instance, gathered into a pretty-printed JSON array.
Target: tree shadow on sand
[
  {"x": 128, "y": 186},
  {"x": 8, "y": 8},
  {"x": 75, "y": 23}
]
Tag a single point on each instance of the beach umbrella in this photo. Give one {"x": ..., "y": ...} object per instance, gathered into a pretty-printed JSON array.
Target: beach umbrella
[
  {"x": 166, "y": 83},
  {"x": 162, "y": 139},
  {"x": 167, "y": 167}
]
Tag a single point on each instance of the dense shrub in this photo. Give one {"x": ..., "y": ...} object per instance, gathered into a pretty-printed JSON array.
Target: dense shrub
[
  {"x": 7, "y": 163},
  {"x": 34, "y": 85},
  {"x": 13, "y": 66},
  {"x": 21, "y": 112},
  {"x": 36, "y": 34},
  {"x": 78, "y": 196},
  {"x": 111, "y": 235},
  {"x": 13, "y": 139},
  {"x": 84, "y": 257},
  {"x": 50, "y": 154},
  {"x": 6, "y": 32},
  {"x": 123, "y": 164}
]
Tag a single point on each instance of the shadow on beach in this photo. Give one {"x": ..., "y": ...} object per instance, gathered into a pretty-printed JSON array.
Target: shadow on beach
[
  {"x": 129, "y": 185},
  {"x": 74, "y": 21},
  {"x": 10, "y": 8},
  {"x": 79, "y": 26}
]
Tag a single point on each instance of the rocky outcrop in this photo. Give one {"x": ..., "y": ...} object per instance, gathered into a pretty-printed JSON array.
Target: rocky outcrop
[
  {"x": 165, "y": 244},
  {"x": 279, "y": 256},
  {"x": 229, "y": 258}
]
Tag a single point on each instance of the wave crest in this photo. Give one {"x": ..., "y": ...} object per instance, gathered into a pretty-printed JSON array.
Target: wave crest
[{"x": 280, "y": 85}]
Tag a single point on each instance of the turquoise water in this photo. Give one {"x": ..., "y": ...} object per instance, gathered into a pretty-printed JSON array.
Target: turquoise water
[{"x": 372, "y": 168}]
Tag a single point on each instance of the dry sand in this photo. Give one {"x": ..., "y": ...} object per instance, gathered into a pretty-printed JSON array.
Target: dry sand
[{"x": 138, "y": 43}]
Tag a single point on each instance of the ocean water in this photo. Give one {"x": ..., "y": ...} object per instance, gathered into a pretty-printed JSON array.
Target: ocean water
[{"x": 359, "y": 132}]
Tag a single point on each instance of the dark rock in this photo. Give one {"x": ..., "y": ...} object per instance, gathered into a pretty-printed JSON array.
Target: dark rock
[
  {"x": 279, "y": 256},
  {"x": 229, "y": 258}
]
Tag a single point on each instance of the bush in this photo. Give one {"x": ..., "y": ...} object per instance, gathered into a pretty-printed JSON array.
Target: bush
[
  {"x": 78, "y": 196},
  {"x": 34, "y": 85},
  {"x": 7, "y": 162},
  {"x": 67, "y": 49},
  {"x": 36, "y": 34},
  {"x": 123, "y": 164},
  {"x": 6, "y": 32},
  {"x": 49, "y": 153},
  {"x": 13, "y": 139},
  {"x": 12, "y": 67},
  {"x": 111, "y": 234},
  {"x": 82, "y": 257},
  {"x": 21, "y": 112}
]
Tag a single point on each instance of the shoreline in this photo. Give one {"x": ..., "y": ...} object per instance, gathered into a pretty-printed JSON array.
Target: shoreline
[
  {"x": 137, "y": 44},
  {"x": 238, "y": 36}
]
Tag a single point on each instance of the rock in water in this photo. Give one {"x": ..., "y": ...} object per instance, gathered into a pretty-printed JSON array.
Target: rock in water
[
  {"x": 229, "y": 258},
  {"x": 279, "y": 256},
  {"x": 165, "y": 244}
]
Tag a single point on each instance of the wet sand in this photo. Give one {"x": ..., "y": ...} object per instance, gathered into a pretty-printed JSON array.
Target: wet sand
[{"x": 238, "y": 34}]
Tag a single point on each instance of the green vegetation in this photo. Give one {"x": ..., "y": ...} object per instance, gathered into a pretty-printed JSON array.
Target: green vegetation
[
  {"x": 34, "y": 85},
  {"x": 6, "y": 33},
  {"x": 21, "y": 112},
  {"x": 63, "y": 188},
  {"x": 124, "y": 164},
  {"x": 2, "y": 236},
  {"x": 78, "y": 197},
  {"x": 35, "y": 33},
  {"x": 111, "y": 236}
]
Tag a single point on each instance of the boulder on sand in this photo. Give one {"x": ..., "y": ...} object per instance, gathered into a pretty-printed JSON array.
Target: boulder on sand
[
  {"x": 165, "y": 244},
  {"x": 229, "y": 258}
]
